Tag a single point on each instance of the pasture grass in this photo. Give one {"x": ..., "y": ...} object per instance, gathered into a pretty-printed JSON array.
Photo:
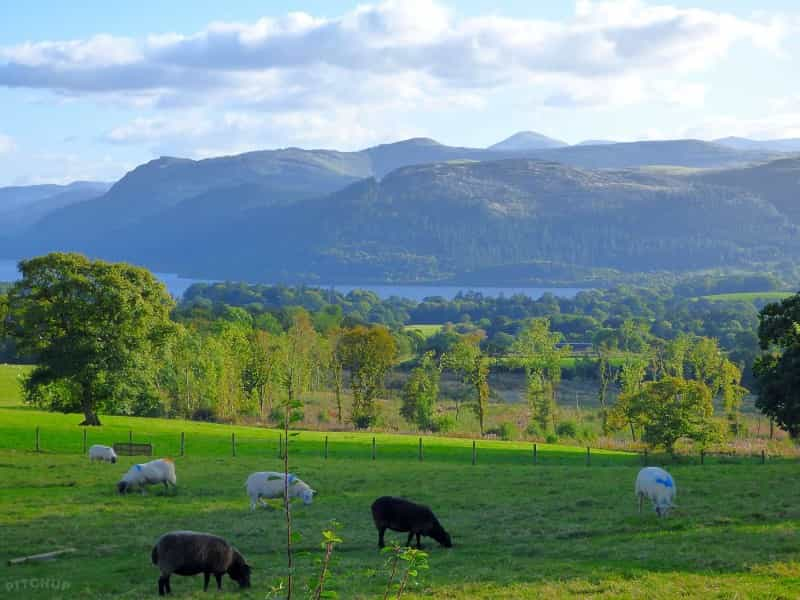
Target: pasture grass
[
  {"x": 557, "y": 529},
  {"x": 10, "y": 378},
  {"x": 426, "y": 330}
]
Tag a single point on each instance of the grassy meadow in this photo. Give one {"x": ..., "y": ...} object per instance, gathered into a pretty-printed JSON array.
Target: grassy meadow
[{"x": 555, "y": 529}]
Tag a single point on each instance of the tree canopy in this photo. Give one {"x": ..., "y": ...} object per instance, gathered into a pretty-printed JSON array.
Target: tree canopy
[{"x": 97, "y": 330}]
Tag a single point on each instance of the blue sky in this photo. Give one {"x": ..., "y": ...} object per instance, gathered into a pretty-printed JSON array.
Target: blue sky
[{"x": 90, "y": 89}]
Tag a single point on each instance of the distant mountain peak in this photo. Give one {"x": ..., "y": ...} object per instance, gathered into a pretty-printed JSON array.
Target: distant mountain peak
[{"x": 527, "y": 140}]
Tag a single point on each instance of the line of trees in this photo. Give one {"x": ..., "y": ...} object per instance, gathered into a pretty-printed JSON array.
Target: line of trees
[{"x": 108, "y": 338}]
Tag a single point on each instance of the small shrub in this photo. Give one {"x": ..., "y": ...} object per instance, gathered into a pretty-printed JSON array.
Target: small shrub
[
  {"x": 443, "y": 424},
  {"x": 363, "y": 421},
  {"x": 276, "y": 415},
  {"x": 204, "y": 414},
  {"x": 551, "y": 438},
  {"x": 567, "y": 429},
  {"x": 534, "y": 430},
  {"x": 587, "y": 434},
  {"x": 507, "y": 431}
]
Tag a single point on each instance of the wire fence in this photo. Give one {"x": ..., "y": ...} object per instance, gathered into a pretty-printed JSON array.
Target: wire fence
[{"x": 271, "y": 444}]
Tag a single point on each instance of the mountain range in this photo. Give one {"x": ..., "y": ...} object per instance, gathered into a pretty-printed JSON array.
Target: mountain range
[{"x": 521, "y": 210}]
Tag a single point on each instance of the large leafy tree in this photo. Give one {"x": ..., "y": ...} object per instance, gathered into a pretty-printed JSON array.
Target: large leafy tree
[
  {"x": 778, "y": 367},
  {"x": 668, "y": 410},
  {"x": 97, "y": 330},
  {"x": 421, "y": 392},
  {"x": 540, "y": 352},
  {"x": 467, "y": 359},
  {"x": 368, "y": 353}
]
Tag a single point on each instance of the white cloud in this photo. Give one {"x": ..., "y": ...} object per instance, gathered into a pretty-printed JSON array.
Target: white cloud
[
  {"x": 7, "y": 145},
  {"x": 616, "y": 38}
]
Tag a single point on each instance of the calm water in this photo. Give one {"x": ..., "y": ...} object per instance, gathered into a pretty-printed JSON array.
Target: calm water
[{"x": 178, "y": 285}]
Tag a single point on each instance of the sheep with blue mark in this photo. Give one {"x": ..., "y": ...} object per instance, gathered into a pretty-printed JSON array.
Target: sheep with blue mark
[
  {"x": 271, "y": 484},
  {"x": 658, "y": 486},
  {"x": 154, "y": 472}
]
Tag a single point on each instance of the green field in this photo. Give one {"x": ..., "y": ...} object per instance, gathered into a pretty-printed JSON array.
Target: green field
[
  {"x": 556, "y": 529},
  {"x": 10, "y": 375},
  {"x": 749, "y": 297},
  {"x": 426, "y": 330}
]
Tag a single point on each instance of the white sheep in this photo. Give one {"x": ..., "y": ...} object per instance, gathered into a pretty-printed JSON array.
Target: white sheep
[
  {"x": 157, "y": 471},
  {"x": 104, "y": 453},
  {"x": 658, "y": 486},
  {"x": 270, "y": 484}
]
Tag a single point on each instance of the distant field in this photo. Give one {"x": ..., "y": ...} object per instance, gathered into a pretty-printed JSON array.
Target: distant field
[
  {"x": 10, "y": 375},
  {"x": 749, "y": 296},
  {"x": 425, "y": 330}
]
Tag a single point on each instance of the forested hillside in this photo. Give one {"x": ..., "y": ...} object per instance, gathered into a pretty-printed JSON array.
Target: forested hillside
[{"x": 421, "y": 211}]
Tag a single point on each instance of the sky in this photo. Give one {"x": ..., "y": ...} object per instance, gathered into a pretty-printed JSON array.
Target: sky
[{"x": 91, "y": 89}]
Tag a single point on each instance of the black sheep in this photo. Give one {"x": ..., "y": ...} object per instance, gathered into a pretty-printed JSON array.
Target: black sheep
[
  {"x": 190, "y": 553},
  {"x": 398, "y": 514}
]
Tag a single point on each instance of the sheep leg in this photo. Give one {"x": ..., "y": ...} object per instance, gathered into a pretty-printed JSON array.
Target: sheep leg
[
  {"x": 218, "y": 577},
  {"x": 163, "y": 585},
  {"x": 206, "y": 577},
  {"x": 419, "y": 543},
  {"x": 381, "y": 531},
  {"x": 408, "y": 541}
]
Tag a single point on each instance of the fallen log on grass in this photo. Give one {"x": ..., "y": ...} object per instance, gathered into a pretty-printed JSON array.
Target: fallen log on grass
[{"x": 40, "y": 557}]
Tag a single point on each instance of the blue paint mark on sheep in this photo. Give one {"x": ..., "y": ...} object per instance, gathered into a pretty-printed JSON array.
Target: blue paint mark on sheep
[
  {"x": 665, "y": 482},
  {"x": 292, "y": 478},
  {"x": 138, "y": 467}
]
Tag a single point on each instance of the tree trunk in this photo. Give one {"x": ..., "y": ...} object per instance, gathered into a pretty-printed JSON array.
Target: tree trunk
[
  {"x": 90, "y": 417},
  {"x": 87, "y": 406}
]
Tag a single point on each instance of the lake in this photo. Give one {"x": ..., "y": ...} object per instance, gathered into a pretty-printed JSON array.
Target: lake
[{"x": 177, "y": 285}]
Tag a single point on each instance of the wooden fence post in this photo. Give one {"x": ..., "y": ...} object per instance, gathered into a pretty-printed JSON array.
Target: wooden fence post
[
  {"x": 535, "y": 455},
  {"x": 420, "y": 450},
  {"x": 763, "y": 456},
  {"x": 473, "y": 452},
  {"x": 37, "y": 438},
  {"x": 84, "y": 440},
  {"x": 373, "y": 447},
  {"x": 183, "y": 442},
  {"x": 588, "y": 456},
  {"x": 702, "y": 457},
  {"x": 326, "y": 446},
  {"x": 233, "y": 443}
]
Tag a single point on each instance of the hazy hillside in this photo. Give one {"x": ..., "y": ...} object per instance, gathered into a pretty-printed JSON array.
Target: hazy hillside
[
  {"x": 23, "y": 206},
  {"x": 777, "y": 182},
  {"x": 420, "y": 210},
  {"x": 453, "y": 220},
  {"x": 783, "y": 145},
  {"x": 527, "y": 140}
]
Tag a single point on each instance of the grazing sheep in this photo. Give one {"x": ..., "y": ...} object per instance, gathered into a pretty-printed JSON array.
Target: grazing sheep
[
  {"x": 270, "y": 484},
  {"x": 658, "y": 486},
  {"x": 190, "y": 553},
  {"x": 149, "y": 473},
  {"x": 104, "y": 453},
  {"x": 398, "y": 514}
]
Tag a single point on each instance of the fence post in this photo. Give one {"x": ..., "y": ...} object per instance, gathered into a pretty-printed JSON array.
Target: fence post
[
  {"x": 37, "y": 438},
  {"x": 473, "y": 452},
  {"x": 326, "y": 446},
  {"x": 84, "y": 440},
  {"x": 373, "y": 447},
  {"x": 535, "y": 455},
  {"x": 763, "y": 456},
  {"x": 702, "y": 457},
  {"x": 183, "y": 442},
  {"x": 421, "y": 456},
  {"x": 233, "y": 443},
  {"x": 588, "y": 456}
]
